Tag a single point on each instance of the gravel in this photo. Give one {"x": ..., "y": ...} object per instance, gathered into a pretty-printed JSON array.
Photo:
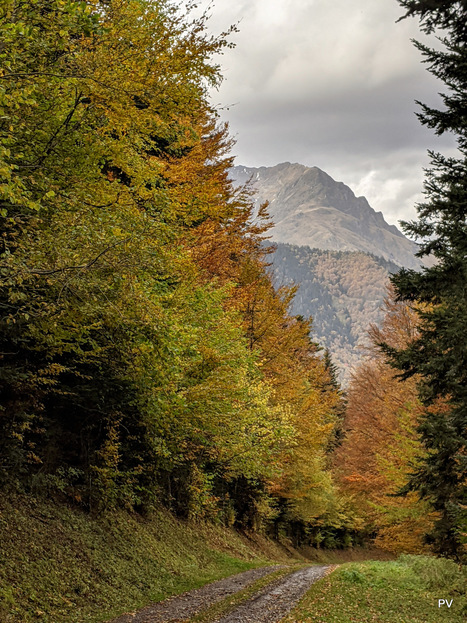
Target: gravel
[
  {"x": 276, "y": 600},
  {"x": 185, "y": 606}
]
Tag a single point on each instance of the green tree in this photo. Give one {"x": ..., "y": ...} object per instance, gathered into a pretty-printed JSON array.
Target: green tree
[
  {"x": 98, "y": 100},
  {"x": 439, "y": 353},
  {"x": 126, "y": 370}
]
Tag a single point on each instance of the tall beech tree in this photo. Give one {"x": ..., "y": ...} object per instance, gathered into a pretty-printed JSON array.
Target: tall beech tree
[
  {"x": 109, "y": 155},
  {"x": 439, "y": 354}
]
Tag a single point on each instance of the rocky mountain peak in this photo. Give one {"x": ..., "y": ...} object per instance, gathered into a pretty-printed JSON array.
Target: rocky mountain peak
[{"x": 309, "y": 208}]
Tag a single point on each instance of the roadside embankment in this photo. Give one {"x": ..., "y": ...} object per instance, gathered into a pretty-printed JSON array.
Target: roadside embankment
[{"x": 59, "y": 564}]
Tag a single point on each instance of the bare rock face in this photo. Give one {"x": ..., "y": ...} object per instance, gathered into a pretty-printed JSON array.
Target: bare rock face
[{"x": 311, "y": 209}]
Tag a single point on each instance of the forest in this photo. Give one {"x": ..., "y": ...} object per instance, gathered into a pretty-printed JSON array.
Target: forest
[{"x": 147, "y": 358}]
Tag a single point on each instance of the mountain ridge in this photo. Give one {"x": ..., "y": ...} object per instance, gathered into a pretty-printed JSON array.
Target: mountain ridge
[{"x": 335, "y": 247}]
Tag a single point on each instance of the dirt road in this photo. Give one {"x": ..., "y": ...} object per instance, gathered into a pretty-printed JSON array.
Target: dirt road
[
  {"x": 269, "y": 605},
  {"x": 183, "y": 607},
  {"x": 272, "y": 603}
]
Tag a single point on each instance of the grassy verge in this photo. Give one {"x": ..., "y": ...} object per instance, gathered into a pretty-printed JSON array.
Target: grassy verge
[
  {"x": 403, "y": 591},
  {"x": 59, "y": 565}
]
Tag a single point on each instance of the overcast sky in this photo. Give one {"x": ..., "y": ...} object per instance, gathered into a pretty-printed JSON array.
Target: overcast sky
[{"x": 330, "y": 83}]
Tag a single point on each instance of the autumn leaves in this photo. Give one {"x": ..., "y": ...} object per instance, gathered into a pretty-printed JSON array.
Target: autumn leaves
[{"x": 147, "y": 358}]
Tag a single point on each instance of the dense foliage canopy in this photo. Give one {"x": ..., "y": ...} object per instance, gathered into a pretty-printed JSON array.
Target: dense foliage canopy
[
  {"x": 381, "y": 445},
  {"x": 146, "y": 356}
]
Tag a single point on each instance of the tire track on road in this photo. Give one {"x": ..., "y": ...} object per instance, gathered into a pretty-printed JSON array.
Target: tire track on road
[
  {"x": 184, "y": 607},
  {"x": 275, "y": 601}
]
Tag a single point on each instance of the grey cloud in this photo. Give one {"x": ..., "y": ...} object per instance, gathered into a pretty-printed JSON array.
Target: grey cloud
[{"x": 330, "y": 84}]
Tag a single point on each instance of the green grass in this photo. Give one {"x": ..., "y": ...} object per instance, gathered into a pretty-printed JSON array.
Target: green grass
[
  {"x": 403, "y": 591},
  {"x": 59, "y": 565}
]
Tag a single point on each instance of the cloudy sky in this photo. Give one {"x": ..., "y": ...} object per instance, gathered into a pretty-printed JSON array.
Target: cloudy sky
[{"x": 330, "y": 84}]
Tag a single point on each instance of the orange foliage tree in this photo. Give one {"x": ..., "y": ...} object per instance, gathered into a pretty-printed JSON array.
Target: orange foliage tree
[{"x": 381, "y": 446}]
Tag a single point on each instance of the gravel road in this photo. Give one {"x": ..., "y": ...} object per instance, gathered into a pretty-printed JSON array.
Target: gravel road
[
  {"x": 272, "y": 603},
  {"x": 183, "y": 607}
]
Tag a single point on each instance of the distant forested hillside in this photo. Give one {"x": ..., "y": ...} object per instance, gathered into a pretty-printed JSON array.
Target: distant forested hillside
[{"x": 342, "y": 290}]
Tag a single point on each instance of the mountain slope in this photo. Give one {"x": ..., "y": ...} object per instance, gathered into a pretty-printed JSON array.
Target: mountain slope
[
  {"x": 309, "y": 208},
  {"x": 342, "y": 290}
]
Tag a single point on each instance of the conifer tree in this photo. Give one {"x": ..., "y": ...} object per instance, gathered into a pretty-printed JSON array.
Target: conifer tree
[{"x": 439, "y": 353}]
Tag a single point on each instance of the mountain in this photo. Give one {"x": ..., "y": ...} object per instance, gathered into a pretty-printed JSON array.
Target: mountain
[
  {"x": 311, "y": 209},
  {"x": 335, "y": 247}
]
